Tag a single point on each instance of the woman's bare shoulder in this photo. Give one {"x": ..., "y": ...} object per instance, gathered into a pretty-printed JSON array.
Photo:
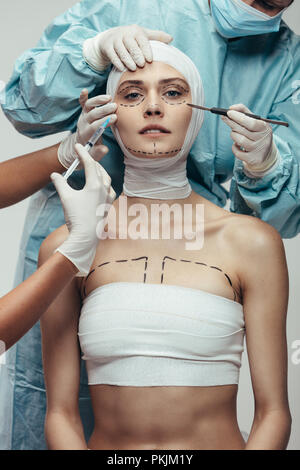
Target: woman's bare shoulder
[
  {"x": 244, "y": 232},
  {"x": 250, "y": 236}
]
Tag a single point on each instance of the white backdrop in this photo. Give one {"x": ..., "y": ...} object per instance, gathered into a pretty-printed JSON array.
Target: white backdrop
[{"x": 22, "y": 23}]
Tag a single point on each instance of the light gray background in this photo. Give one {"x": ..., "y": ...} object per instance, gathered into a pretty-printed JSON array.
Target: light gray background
[{"x": 22, "y": 23}]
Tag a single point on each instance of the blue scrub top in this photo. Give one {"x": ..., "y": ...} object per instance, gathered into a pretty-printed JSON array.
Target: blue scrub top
[
  {"x": 260, "y": 71},
  {"x": 42, "y": 98}
]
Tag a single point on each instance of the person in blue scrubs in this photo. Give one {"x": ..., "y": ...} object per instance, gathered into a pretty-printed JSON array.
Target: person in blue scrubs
[{"x": 243, "y": 57}]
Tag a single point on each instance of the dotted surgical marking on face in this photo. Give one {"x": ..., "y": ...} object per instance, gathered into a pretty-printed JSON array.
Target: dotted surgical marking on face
[
  {"x": 129, "y": 86},
  {"x": 154, "y": 152},
  {"x": 173, "y": 101},
  {"x": 172, "y": 104},
  {"x": 132, "y": 105},
  {"x": 235, "y": 293}
]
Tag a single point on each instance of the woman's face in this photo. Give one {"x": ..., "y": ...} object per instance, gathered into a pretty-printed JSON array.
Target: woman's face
[{"x": 153, "y": 117}]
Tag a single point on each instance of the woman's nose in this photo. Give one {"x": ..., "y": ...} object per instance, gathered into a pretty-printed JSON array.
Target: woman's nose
[{"x": 153, "y": 109}]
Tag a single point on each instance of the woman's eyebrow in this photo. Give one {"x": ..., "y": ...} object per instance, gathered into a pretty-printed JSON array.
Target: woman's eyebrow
[
  {"x": 131, "y": 82},
  {"x": 161, "y": 82},
  {"x": 177, "y": 79}
]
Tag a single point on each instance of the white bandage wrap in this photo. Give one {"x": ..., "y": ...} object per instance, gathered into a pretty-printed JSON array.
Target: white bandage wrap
[{"x": 162, "y": 178}]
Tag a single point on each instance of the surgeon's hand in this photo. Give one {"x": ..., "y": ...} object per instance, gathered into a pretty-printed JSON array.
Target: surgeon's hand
[
  {"x": 85, "y": 211},
  {"x": 95, "y": 111},
  {"x": 123, "y": 46},
  {"x": 253, "y": 140}
]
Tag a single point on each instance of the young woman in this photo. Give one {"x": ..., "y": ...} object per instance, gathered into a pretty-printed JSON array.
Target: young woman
[{"x": 161, "y": 326}]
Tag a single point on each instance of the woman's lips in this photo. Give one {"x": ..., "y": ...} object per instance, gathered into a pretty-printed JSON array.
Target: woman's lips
[
  {"x": 154, "y": 135},
  {"x": 153, "y": 129}
]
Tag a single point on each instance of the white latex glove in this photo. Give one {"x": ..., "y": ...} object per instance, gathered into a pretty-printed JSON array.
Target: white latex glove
[
  {"x": 80, "y": 209},
  {"x": 253, "y": 141},
  {"x": 123, "y": 46},
  {"x": 95, "y": 111}
]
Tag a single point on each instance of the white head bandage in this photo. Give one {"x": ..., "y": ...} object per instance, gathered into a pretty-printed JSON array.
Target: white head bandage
[{"x": 162, "y": 178}]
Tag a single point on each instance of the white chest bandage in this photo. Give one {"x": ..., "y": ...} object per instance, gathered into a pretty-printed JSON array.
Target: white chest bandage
[{"x": 162, "y": 178}]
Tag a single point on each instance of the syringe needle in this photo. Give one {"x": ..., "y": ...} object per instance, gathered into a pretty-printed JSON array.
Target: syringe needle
[{"x": 95, "y": 137}]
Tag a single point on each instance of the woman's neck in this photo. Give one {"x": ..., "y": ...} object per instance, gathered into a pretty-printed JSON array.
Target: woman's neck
[
  {"x": 191, "y": 199},
  {"x": 159, "y": 179}
]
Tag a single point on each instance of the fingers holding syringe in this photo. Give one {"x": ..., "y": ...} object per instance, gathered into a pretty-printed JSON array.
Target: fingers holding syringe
[
  {"x": 96, "y": 121},
  {"x": 98, "y": 109}
]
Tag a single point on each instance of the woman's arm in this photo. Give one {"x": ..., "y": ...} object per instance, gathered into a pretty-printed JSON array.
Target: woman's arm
[
  {"x": 264, "y": 280},
  {"x": 21, "y": 308},
  {"x": 61, "y": 360},
  {"x": 22, "y": 176}
]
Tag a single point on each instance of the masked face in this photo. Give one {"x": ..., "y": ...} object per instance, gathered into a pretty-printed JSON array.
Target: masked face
[
  {"x": 237, "y": 18},
  {"x": 153, "y": 117},
  {"x": 269, "y": 7}
]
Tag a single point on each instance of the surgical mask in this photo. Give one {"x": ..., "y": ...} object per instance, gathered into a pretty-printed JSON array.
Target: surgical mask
[{"x": 234, "y": 18}]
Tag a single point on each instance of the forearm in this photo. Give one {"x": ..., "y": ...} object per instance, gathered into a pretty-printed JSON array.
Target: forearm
[
  {"x": 32, "y": 84},
  {"x": 21, "y": 308},
  {"x": 22, "y": 176},
  {"x": 64, "y": 432},
  {"x": 274, "y": 197},
  {"x": 270, "y": 432}
]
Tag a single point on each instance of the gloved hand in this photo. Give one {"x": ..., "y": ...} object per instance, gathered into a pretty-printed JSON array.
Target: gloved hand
[
  {"x": 95, "y": 111},
  {"x": 122, "y": 46},
  {"x": 253, "y": 141},
  {"x": 80, "y": 209}
]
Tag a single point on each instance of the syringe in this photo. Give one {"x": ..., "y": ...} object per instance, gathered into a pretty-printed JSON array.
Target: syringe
[{"x": 88, "y": 147}]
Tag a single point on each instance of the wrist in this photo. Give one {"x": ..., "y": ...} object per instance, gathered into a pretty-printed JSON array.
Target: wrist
[
  {"x": 52, "y": 161},
  {"x": 80, "y": 252},
  {"x": 268, "y": 164},
  {"x": 66, "y": 152},
  {"x": 66, "y": 263},
  {"x": 92, "y": 54}
]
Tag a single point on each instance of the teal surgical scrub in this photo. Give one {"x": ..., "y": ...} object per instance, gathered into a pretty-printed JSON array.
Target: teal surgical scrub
[{"x": 41, "y": 98}]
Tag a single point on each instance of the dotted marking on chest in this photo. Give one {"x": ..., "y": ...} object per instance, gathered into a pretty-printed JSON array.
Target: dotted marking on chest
[
  {"x": 165, "y": 259},
  {"x": 196, "y": 262},
  {"x": 116, "y": 261}
]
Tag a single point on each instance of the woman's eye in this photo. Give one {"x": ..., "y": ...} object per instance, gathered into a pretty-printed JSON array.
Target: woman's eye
[
  {"x": 132, "y": 96},
  {"x": 173, "y": 94}
]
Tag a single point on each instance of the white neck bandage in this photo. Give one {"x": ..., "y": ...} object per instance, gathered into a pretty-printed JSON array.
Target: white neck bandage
[{"x": 162, "y": 178}]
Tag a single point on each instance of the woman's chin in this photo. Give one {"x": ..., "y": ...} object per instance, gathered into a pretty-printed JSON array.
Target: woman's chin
[
  {"x": 154, "y": 156},
  {"x": 153, "y": 151}
]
